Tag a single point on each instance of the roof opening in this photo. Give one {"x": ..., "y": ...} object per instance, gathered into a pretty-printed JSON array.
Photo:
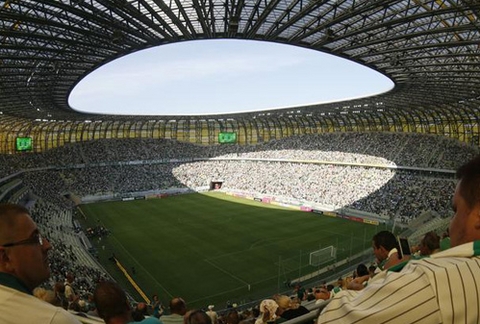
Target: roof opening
[{"x": 222, "y": 76}]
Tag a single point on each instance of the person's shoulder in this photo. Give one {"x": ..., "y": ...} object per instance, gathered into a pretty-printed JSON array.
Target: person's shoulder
[
  {"x": 448, "y": 260},
  {"x": 456, "y": 255},
  {"x": 172, "y": 318},
  {"x": 151, "y": 320},
  {"x": 61, "y": 316},
  {"x": 302, "y": 309}
]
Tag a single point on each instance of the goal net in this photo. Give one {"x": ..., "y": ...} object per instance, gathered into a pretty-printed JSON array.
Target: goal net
[{"x": 322, "y": 256}]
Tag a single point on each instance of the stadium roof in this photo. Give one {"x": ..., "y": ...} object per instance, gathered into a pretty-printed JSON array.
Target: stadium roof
[{"x": 429, "y": 48}]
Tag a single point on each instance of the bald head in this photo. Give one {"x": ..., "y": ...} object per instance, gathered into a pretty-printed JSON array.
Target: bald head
[
  {"x": 178, "y": 306},
  {"x": 111, "y": 302}
]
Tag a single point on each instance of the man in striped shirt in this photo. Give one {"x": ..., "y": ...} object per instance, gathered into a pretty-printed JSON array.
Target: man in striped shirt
[{"x": 444, "y": 288}]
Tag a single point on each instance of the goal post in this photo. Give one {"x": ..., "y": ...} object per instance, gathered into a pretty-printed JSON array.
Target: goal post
[{"x": 322, "y": 256}]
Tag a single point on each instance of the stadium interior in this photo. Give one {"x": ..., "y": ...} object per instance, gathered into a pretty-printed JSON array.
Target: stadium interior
[{"x": 387, "y": 160}]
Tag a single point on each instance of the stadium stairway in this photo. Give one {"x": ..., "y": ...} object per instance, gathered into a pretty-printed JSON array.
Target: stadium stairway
[{"x": 437, "y": 224}]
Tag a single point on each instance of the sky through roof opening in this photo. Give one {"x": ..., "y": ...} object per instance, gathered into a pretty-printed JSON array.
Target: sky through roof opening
[{"x": 222, "y": 76}]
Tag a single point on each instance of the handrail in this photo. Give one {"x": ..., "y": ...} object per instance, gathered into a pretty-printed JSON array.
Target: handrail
[{"x": 314, "y": 309}]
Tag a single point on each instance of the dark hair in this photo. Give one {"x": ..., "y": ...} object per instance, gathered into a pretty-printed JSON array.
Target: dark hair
[
  {"x": 198, "y": 317},
  {"x": 362, "y": 270},
  {"x": 138, "y": 315},
  {"x": 469, "y": 176},
  {"x": 431, "y": 240},
  {"x": 232, "y": 317},
  {"x": 385, "y": 239}
]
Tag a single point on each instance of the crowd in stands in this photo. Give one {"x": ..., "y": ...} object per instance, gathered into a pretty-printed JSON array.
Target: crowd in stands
[
  {"x": 92, "y": 168},
  {"x": 400, "y": 194},
  {"x": 404, "y": 149},
  {"x": 20, "y": 280},
  {"x": 56, "y": 223}
]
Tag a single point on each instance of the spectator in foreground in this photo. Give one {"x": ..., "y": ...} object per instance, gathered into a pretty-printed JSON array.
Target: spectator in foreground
[
  {"x": 113, "y": 306},
  {"x": 213, "y": 314},
  {"x": 197, "y": 317},
  {"x": 250, "y": 316},
  {"x": 439, "y": 289},
  {"x": 268, "y": 309},
  {"x": 321, "y": 294},
  {"x": 430, "y": 244},
  {"x": 70, "y": 294},
  {"x": 339, "y": 287},
  {"x": 385, "y": 250},
  {"x": 300, "y": 292},
  {"x": 445, "y": 241},
  {"x": 289, "y": 308},
  {"x": 23, "y": 266},
  {"x": 59, "y": 289},
  {"x": 232, "y": 316},
  {"x": 362, "y": 276},
  {"x": 178, "y": 309},
  {"x": 139, "y": 312},
  {"x": 371, "y": 270},
  {"x": 45, "y": 295}
]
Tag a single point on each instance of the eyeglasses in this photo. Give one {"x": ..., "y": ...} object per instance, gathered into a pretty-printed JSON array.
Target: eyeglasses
[{"x": 35, "y": 239}]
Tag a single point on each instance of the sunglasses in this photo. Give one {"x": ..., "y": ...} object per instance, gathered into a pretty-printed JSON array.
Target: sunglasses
[{"x": 34, "y": 239}]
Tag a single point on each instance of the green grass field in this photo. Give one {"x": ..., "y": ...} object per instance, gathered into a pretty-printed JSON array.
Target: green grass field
[{"x": 210, "y": 248}]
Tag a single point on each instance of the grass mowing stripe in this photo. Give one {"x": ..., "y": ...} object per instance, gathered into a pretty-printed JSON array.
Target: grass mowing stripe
[
  {"x": 142, "y": 267},
  {"x": 201, "y": 246},
  {"x": 226, "y": 272}
]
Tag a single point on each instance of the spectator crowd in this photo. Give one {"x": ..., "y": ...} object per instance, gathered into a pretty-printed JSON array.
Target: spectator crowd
[
  {"x": 280, "y": 168},
  {"x": 94, "y": 168}
]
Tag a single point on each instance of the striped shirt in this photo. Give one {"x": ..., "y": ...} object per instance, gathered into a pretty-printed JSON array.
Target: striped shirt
[{"x": 444, "y": 288}]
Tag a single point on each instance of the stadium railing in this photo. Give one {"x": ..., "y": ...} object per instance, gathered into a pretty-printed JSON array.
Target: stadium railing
[
  {"x": 88, "y": 319},
  {"x": 314, "y": 309}
]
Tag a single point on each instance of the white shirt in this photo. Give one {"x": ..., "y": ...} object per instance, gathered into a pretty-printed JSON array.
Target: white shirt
[
  {"x": 18, "y": 307},
  {"x": 444, "y": 288}
]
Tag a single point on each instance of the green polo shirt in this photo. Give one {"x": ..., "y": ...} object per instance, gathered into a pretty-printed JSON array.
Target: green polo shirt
[{"x": 445, "y": 243}]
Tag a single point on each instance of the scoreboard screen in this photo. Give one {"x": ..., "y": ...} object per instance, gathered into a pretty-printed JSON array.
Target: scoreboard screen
[
  {"x": 23, "y": 143},
  {"x": 227, "y": 137}
]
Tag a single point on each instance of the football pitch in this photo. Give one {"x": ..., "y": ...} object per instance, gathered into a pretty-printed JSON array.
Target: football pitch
[{"x": 209, "y": 248}]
